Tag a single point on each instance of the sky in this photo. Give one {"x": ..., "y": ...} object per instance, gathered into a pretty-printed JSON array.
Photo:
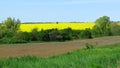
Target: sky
[{"x": 59, "y": 10}]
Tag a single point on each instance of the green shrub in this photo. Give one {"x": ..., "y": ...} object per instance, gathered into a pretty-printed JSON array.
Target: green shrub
[
  {"x": 76, "y": 34},
  {"x": 45, "y": 35},
  {"x": 34, "y": 34},
  {"x": 23, "y": 36},
  {"x": 86, "y": 34},
  {"x": 89, "y": 46},
  {"x": 67, "y": 34},
  {"x": 55, "y": 35},
  {"x": 115, "y": 29},
  {"x": 11, "y": 40}
]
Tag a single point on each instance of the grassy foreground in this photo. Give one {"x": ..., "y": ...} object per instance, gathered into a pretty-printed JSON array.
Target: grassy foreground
[{"x": 105, "y": 57}]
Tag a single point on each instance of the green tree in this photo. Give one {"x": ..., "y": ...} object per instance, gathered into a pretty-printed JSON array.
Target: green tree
[
  {"x": 102, "y": 26},
  {"x": 115, "y": 28},
  {"x": 2, "y": 31},
  {"x": 8, "y": 29},
  {"x": 12, "y": 24}
]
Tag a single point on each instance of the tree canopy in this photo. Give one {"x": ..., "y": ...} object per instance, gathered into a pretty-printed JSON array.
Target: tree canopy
[
  {"x": 102, "y": 26},
  {"x": 11, "y": 24}
]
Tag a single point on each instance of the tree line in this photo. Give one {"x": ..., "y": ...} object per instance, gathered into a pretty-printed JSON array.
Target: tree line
[{"x": 10, "y": 33}]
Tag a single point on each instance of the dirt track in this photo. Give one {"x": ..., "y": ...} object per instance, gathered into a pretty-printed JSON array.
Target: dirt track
[{"x": 52, "y": 48}]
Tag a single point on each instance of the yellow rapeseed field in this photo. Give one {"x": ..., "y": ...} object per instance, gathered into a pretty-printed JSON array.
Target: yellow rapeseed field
[{"x": 74, "y": 26}]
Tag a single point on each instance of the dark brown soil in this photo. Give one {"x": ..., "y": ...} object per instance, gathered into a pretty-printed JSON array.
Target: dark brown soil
[{"x": 48, "y": 49}]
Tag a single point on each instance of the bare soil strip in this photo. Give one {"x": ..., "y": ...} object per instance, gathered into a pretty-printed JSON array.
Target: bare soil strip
[{"x": 48, "y": 49}]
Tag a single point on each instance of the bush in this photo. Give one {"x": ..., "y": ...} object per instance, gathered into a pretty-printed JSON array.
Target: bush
[
  {"x": 50, "y": 35},
  {"x": 76, "y": 34},
  {"x": 34, "y": 34},
  {"x": 89, "y": 46},
  {"x": 67, "y": 34},
  {"x": 58, "y": 35},
  {"x": 23, "y": 36},
  {"x": 97, "y": 32},
  {"x": 45, "y": 35},
  {"x": 115, "y": 29},
  {"x": 55, "y": 35},
  {"x": 86, "y": 34},
  {"x": 11, "y": 41}
]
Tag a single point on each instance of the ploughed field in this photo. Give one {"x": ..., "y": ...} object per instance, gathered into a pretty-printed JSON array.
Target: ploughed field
[{"x": 48, "y": 49}]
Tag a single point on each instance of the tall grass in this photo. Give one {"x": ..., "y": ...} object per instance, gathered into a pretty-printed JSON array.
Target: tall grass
[{"x": 107, "y": 57}]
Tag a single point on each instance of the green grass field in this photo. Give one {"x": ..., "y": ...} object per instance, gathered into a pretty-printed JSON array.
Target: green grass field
[{"x": 104, "y": 57}]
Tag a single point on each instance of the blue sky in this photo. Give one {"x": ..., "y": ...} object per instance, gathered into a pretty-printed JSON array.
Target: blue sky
[{"x": 59, "y": 10}]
